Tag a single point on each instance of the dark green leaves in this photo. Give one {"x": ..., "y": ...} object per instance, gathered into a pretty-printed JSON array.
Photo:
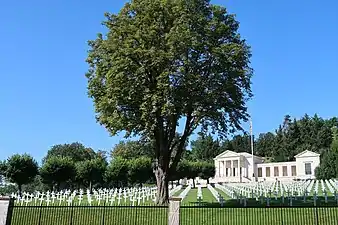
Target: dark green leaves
[
  {"x": 57, "y": 171},
  {"x": 20, "y": 169},
  {"x": 162, "y": 60}
]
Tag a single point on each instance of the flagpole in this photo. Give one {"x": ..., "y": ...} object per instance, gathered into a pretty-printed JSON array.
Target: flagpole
[{"x": 252, "y": 151}]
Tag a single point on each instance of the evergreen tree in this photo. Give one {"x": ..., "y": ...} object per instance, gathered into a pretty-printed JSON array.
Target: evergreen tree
[{"x": 205, "y": 148}]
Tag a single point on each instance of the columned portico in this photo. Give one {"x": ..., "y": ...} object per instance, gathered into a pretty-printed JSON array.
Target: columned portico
[{"x": 239, "y": 167}]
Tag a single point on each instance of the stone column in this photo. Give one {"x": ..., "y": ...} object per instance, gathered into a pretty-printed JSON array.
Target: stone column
[
  {"x": 239, "y": 167},
  {"x": 219, "y": 168},
  {"x": 239, "y": 170},
  {"x": 174, "y": 211},
  {"x": 5, "y": 214}
]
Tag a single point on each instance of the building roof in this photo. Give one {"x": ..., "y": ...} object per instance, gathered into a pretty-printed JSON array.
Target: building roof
[
  {"x": 229, "y": 153},
  {"x": 307, "y": 153}
]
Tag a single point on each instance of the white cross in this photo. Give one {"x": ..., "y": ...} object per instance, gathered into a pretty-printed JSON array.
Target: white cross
[
  {"x": 70, "y": 200},
  {"x": 53, "y": 198},
  {"x": 133, "y": 200},
  {"x": 48, "y": 201}
]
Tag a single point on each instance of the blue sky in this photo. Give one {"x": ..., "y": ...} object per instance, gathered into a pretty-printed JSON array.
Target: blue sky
[{"x": 43, "y": 98}]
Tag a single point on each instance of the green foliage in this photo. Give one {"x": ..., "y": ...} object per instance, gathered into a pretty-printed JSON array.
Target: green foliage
[
  {"x": 132, "y": 149},
  {"x": 207, "y": 170},
  {"x": 240, "y": 143},
  {"x": 163, "y": 61},
  {"x": 334, "y": 144},
  {"x": 20, "y": 169},
  {"x": 8, "y": 189},
  {"x": 205, "y": 148},
  {"x": 117, "y": 172},
  {"x": 75, "y": 151},
  {"x": 57, "y": 171},
  {"x": 91, "y": 172},
  {"x": 328, "y": 167},
  {"x": 264, "y": 145},
  {"x": 140, "y": 170},
  {"x": 35, "y": 185},
  {"x": 294, "y": 136},
  {"x": 3, "y": 168}
]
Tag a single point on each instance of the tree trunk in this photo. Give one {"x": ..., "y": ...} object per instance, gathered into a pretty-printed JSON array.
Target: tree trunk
[
  {"x": 207, "y": 180},
  {"x": 162, "y": 196},
  {"x": 20, "y": 189},
  {"x": 193, "y": 182},
  {"x": 90, "y": 187}
]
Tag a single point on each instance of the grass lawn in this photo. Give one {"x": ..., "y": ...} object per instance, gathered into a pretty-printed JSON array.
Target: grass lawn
[
  {"x": 178, "y": 192},
  {"x": 189, "y": 215},
  {"x": 191, "y": 197},
  {"x": 223, "y": 194}
]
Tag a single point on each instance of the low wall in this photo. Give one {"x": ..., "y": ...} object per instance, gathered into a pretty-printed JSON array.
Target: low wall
[{"x": 4, "y": 205}]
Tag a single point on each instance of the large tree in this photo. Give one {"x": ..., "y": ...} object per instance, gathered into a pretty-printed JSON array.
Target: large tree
[
  {"x": 20, "y": 169},
  {"x": 168, "y": 63},
  {"x": 76, "y": 151}
]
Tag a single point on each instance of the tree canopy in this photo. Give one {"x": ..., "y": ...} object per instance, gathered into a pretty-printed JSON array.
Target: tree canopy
[
  {"x": 132, "y": 149},
  {"x": 91, "y": 172},
  {"x": 162, "y": 62},
  {"x": 20, "y": 169},
  {"x": 75, "y": 151},
  {"x": 58, "y": 172},
  {"x": 205, "y": 148}
]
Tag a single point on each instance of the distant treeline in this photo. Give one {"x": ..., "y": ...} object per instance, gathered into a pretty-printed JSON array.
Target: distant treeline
[{"x": 131, "y": 162}]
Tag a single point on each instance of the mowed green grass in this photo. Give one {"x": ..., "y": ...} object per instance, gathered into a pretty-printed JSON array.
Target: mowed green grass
[
  {"x": 192, "y": 213},
  {"x": 189, "y": 215}
]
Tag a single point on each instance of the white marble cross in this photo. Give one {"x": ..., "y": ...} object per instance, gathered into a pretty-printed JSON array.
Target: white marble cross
[
  {"x": 89, "y": 199},
  {"x": 70, "y": 201},
  {"x": 48, "y": 201}
]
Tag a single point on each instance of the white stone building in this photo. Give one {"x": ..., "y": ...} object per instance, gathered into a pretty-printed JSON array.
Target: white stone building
[{"x": 242, "y": 167}]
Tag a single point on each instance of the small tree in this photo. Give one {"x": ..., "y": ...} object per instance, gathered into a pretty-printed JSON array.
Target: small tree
[
  {"x": 91, "y": 172},
  {"x": 207, "y": 170},
  {"x": 328, "y": 167},
  {"x": 58, "y": 170},
  {"x": 20, "y": 169},
  {"x": 117, "y": 172},
  {"x": 139, "y": 170}
]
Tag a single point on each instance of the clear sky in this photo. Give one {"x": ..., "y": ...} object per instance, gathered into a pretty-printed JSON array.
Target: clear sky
[{"x": 43, "y": 46}]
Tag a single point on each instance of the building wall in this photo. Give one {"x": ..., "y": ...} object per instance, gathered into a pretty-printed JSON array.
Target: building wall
[
  {"x": 280, "y": 166},
  {"x": 300, "y": 162},
  {"x": 248, "y": 169}
]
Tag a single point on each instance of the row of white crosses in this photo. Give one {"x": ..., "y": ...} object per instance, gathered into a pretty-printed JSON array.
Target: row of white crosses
[
  {"x": 120, "y": 195},
  {"x": 184, "y": 193},
  {"x": 48, "y": 197},
  {"x": 102, "y": 196},
  {"x": 216, "y": 195},
  {"x": 226, "y": 189},
  {"x": 294, "y": 190},
  {"x": 174, "y": 190},
  {"x": 199, "y": 193}
]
